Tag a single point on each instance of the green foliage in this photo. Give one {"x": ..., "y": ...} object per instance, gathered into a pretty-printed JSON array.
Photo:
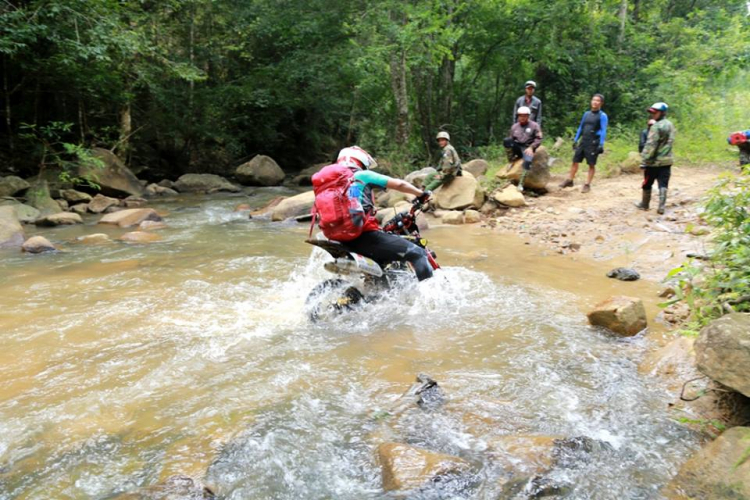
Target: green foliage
[
  {"x": 722, "y": 285},
  {"x": 209, "y": 83},
  {"x": 712, "y": 427},
  {"x": 65, "y": 156}
]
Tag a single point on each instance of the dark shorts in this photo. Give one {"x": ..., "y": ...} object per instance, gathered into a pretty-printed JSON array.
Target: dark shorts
[
  {"x": 658, "y": 174},
  {"x": 385, "y": 247},
  {"x": 588, "y": 151}
]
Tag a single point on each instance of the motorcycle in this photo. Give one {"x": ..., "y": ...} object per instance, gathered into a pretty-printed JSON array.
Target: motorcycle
[{"x": 362, "y": 280}]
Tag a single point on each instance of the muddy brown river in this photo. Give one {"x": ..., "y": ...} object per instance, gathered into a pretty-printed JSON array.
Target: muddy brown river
[{"x": 122, "y": 365}]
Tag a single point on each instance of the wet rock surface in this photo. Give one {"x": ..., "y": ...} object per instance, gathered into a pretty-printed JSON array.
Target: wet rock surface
[
  {"x": 38, "y": 244},
  {"x": 624, "y": 274},
  {"x": 260, "y": 171},
  {"x": 293, "y": 206},
  {"x": 723, "y": 351},
  {"x": 622, "y": 315},
  {"x": 11, "y": 232},
  {"x": 407, "y": 468},
  {"x": 60, "y": 219}
]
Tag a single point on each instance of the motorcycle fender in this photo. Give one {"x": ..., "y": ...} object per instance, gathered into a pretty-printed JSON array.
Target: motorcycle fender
[{"x": 366, "y": 265}]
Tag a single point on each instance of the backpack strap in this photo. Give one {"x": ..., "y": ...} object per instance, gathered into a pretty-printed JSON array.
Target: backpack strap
[{"x": 314, "y": 213}]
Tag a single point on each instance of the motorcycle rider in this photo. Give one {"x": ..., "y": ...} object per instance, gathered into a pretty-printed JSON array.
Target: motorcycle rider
[{"x": 373, "y": 242}]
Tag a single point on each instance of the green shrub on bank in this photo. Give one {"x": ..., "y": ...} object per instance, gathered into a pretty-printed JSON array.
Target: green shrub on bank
[{"x": 722, "y": 284}]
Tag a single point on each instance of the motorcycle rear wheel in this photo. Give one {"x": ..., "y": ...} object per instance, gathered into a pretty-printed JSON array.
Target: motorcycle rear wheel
[{"x": 331, "y": 298}]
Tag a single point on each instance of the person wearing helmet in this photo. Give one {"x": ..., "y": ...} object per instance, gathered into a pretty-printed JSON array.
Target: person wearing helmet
[
  {"x": 592, "y": 131},
  {"x": 524, "y": 139},
  {"x": 380, "y": 246},
  {"x": 449, "y": 166},
  {"x": 530, "y": 101},
  {"x": 742, "y": 141},
  {"x": 656, "y": 157}
]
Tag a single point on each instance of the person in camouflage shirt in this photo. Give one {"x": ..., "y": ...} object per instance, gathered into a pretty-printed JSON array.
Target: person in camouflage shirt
[
  {"x": 449, "y": 166},
  {"x": 657, "y": 157}
]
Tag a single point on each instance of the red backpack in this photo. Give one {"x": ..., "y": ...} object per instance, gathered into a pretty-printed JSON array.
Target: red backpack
[{"x": 342, "y": 218}]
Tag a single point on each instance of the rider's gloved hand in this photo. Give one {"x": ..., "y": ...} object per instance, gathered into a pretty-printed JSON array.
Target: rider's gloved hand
[
  {"x": 600, "y": 150},
  {"x": 422, "y": 198}
]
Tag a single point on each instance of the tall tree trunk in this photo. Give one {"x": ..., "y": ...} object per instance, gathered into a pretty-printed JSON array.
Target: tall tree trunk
[
  {"x": 8, "y": 119},
  {"x": 400, "y": 95},
  {"x": 447, "y": 75},
  {"x": 623, "y": 15},
  {"x": 423, "y": 81},
  {"x": 126, "y": 128},
  {"x": 636, "y": 11}
]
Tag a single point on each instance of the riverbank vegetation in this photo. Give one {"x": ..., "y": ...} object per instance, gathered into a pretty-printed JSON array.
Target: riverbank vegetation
[{"x": 201, "y": 85}]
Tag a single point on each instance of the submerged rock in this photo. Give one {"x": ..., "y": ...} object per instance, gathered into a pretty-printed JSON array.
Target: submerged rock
[
  {"x": 622, "y": 315},
  {"x": 140, "y": 237},
  {"x": 407, "y": 468},
  {"x": 60, "y": 219},
  {"x": 293, "y": 206},
  {"x": 38, "y": 244},
  {"x": 624, "y": 274},
  {"x": 723, "y": 351},
  {"x": 719, "y": 470},
  {"x": 178, "y": 487},
  {"x": 94, "y": 239},
  {"x": 130, "y": 217}
]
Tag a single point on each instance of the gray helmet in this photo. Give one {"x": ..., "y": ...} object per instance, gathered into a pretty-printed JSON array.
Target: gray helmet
[{"x": 444, "y": 135}]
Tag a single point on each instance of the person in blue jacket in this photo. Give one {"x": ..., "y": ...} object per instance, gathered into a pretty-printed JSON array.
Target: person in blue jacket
[{"x": 592, "y": 132}]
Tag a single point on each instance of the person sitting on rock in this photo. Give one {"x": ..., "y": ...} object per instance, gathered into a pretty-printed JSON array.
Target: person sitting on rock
[
  {"x": 449, "y": 166},
  {"x": 524, "y": 139}
]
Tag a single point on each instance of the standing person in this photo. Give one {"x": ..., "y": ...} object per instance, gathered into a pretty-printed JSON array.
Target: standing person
[
  {"x": 592, "y": 131},
  {"x": 530, "y": 101},
  {"x": 657, "y": 156},
  {"x": 524, "y": 139},
  {"x": 449, "y": 166},
  {"x": 742, "y": 141}
]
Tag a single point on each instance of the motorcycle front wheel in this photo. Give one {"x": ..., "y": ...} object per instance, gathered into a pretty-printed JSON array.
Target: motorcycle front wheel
[{"x": 332, "y": 298}]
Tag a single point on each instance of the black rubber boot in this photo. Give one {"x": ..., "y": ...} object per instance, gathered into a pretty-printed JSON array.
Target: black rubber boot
[
  {"x": 662, "y": 200},
  {"x": 645, "y": 201}
]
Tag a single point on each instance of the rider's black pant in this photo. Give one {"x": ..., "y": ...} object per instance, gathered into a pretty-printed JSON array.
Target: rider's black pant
[{"x": 385, "y": 247}]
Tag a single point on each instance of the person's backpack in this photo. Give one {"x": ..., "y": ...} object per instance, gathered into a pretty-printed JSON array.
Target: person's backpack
[{"x": 341, "y": 217}]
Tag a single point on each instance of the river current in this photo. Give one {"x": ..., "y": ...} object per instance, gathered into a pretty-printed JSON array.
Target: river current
[{"x": 122, "y": 365}]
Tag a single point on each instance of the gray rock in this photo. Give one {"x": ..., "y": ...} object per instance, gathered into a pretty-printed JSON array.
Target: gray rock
[
  {"x": 622, "y": 315},
  {"x": 723, "y": 351},
  {"x": 204, "y": 183},
  {"x": 101, "y": 203},
  {"x": 26, "y": 214},
  {"x": 12, "y": 185},
  {"x": 304, "y": 178},
  {"x": 38, "y": 244},
  {"x": 60, "y": 219},
  {"x": 624, "y": 274},
  {"x": 11, "y": 232},
  {"x": 538, "y": 176},
  {"x": 260, "y": 171},
  {"x": 38, "y": 196},
  {"x": 417, "y": 178},
  {"x": 476, "y": 167},
  {"x": 112, "y": 176},
  {"x": 721, "y": 470},
  {"x": 294, "y": 206},
  {"x": 462, "y": 192},
  {"x": 73, "y": 197}
]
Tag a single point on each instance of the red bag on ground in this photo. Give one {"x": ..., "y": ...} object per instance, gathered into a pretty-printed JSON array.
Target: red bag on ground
[{"x": 342, "y": 218}]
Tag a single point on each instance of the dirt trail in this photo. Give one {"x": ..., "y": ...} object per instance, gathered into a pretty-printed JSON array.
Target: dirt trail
[{"x": 605, "y": 225}]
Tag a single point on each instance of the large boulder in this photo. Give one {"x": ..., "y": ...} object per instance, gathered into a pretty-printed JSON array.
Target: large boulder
[
  {"x": 632, "y": 164},
  {"x": 204, "y": 183},
  {"x": 60, "y": 219},
  {"x": 74, "y": 197},
  {"x": 11, "y": 232},
  {"x": 26, "y": 214},
  {"x": 462, "y": 192},
  {"x": 100, "y": 203},
  {"x": 304, "y": 177},
  {"x": 38, "y": 196},
  {"x": 417, "y": 177},
  {"x": 111, "y": 175},
  {"x": 130, "y": 217},
  {"x": 622, "y": 315},
  {"x": 38, "y": 244},
  {"x": 476, "y": 167},
  {"x": 407, "y": 468},
  {"x": 293, "y": 206},
  {"x": 453, "y": 217},
  {"x": 12, "y": 185},
  {"x": 538, "y": 176},
  {"x": 723, "y": 351},
  {"x": 260, "y": 171},
  {"x": 719, "y": 470},
  {"x": 510, "y": 197}
]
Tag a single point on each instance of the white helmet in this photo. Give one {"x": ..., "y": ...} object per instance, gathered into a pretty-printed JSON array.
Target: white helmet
[
  {"x": 523, "y": 110},
  {"x": 530, "y": 83},
  {"x": 348, "y": 155},
  {"x": 444, "y": 135}
]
